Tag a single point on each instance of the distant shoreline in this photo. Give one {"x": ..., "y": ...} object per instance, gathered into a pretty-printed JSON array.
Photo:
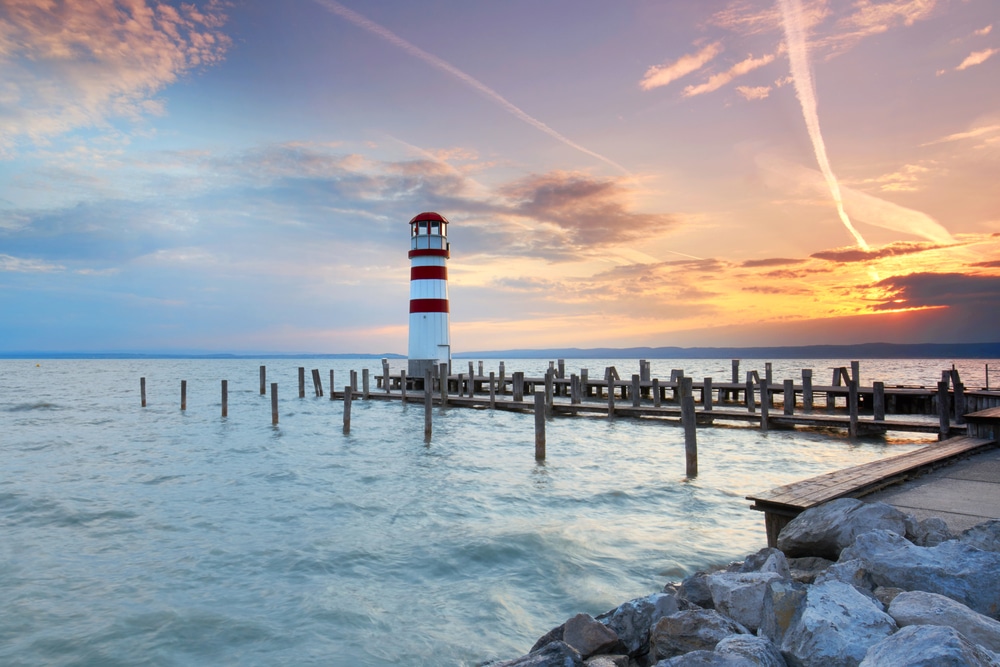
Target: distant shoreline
[{"x": 860, "y": 351}]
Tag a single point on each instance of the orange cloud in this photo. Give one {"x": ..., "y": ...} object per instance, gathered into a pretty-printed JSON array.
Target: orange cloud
[
  {"x": 719, "y": 80},
  {"x": 661, "y": 75}
]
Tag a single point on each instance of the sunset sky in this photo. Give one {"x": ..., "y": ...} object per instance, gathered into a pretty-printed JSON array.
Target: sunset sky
[{"x": 238, "y": 176}]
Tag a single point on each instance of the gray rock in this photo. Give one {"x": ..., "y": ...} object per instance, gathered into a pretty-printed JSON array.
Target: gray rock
[
  {"x": 927, "y": 533},
  {"x": 886, "y": 594},
  {"x": 633, "y": 620},
  {"x": 752, "y": 651},
  {"x": 588, "y": 636},
  {"x": 553, "y": 654},
  {"x": 835, "y": 626},
  {"x": 985, "y": 536},
  {"x": 767, "y": 560},
  {"x": 804, "y": 570},
  {"x": 928, "y": 646},
  {"x": 702, "y": 659},
  {"x": 954, "y": 569},
  {"x": 692, "y": 630},
  {"x": 827, "y": 529},
  {"x": 853, "y": 572},
  {"x": 920, "y": 608},
  {"x": 607, "y": 661},
  {"x": 740, "y": 595},
  {"x": 695, "y": 590},
  {"x": 780, "y": 607}
]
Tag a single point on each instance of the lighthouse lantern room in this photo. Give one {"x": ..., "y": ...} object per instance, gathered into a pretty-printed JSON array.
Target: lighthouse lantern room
[{"x": 430, "y": 338}]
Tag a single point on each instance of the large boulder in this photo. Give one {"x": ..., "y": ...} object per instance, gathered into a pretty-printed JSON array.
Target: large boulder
[
  {"x": 553, "y": 654},
  {"x": 921, "y": 608},
  {"x": 780, "y": 608},
  {"x": 953, "y": 569},
  {"x": 835, "y": 626},
  {"x": 928, "y": 646},
  {"x": 929, "y": 532},
  {"x": 767, "y": 560},
  {"x": 827, "y": 529},
  {"x": 692, "y": 630},
  {"x": 985, "y": 536},
  {"x": 752, "y": 651},
  {"x": 695, "y": 590},
  {"x": 588, "y": 636},
  {"x": 740, "y": 595},
  {"x": 805, "y": 570},
  {"x": 633, "y": 620}
]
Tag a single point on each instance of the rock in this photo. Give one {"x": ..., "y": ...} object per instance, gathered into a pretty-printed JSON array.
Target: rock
[
  {"x": 835, "y": 626},
  {"x": 954, "y": 569},
  {"x": 740, "y": 595},
  {"x": 767, "y": 560},
  {"x": 920, "y": 608},
  {"x": 985, "y": 536},
  {"x": 553, "y": 635},
  {"x": 779, "y": 608},
  {"x": 827, "y": 529},
  {"x": 553, "y": 654},
  {"x": 853, "y": 572},
  {"x": 692, "y": 630},
  {"x": 607, "y": 661},
  {"x": 804, "y": 570},
  {"x": 927, "y": 533},
  {"x": 588, "y": 636},
  {"x": 928, "y": 646},
  {"x": 752, "y": 651},
  {"x": 633, "y": 620},
  {"x": 886, "y": 594},
  {"x": 702, "y": 659},
  {"x": 695, "y": 590}
]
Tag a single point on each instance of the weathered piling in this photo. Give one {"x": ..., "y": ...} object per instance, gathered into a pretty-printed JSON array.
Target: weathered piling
[
  {"x": 611, "y": 395},
  {"x": 750, "y": 402},
  {"x": 518, "y": 390},
  {"x": 878, "y": 401},
  {"x": 636, "y": 390},
  {"x": 807, "y": 389},
  {"x": 736, "y": 378},
  {"x": 765, "y": 404},
  {"x": 302, "y": 382},
  {"x": 689, "y": 422},
  {"x": 503, "y": 379},
  {"x": 142, "y": 390},
  {"x": 332, "y": 385},
  {"x": 789, "y": 397},
  {"x": 274, "y": 402},
  {"x": 852, "y": 407},
  {"x": 263, "y": 380},
  {"x": 225, "y": 398},
  {"x": 354, "y": 382},
  {"x": 493, "y": 391},
  {"x": 958, "y": 391},
  {"x": 706, "y": 394},
  {"x": 443, "y": 371},
  {"x": 385, "y": 375},
  {"x": 428, "y": 401},
  {"x": 184, "y": 394},
  {"x": 549, "y": 391},
  {"x": 348, "y": 397},
  {"x": 481, "y": 369},
  {"x": 539, "y": 426},
  {"x": 657, "y": 397},
  {"x": 944, "y": 417},
  {"x": 402, "y": 385},
  {"x": 364, "y": 383},
  {"x": 317, "y": 384},
  {"x": 769, "y": 376}
]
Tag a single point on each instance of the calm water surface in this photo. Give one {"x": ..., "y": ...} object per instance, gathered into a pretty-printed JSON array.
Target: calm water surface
[{"x": 154, "y": 536}]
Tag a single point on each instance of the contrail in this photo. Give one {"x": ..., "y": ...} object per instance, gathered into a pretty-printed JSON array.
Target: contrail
[
  {"x": 478, "y": 86},
  {"x": 798, "y": 57}
]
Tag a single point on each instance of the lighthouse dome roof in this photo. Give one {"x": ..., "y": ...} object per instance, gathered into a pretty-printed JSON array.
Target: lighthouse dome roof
[{"x": 429, "y": 215}]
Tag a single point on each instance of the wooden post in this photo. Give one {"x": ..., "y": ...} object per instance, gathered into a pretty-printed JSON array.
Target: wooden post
[
  {"x": 657, "y": 398},
  {"x": 402, "y": 386},
  {"x": 539, "y": 426},
  {"x": 518, "y": 389},
  {"x": 503, "y": 379},
  {"x": 584, "y": 389},
  {"x": 807, "y": 389},
  {"x": 493, "y": 391},
  {"x": 385, "y": 376},
  {"x": 263, "y": 380},
  {"x": 184, "y": 394},
  {"x": 770, "y": 381},
  {"x": 142, "y": 390},
  {"x": 636, "y": 390},
  {"x": 878, "y": 401},
  {"x": 472, "y": 382},
  {"x": 354, "y": 382},
  {"x": 480, "y": 369},
  {"x": 332, "y": 385},
  {"x": 836, "y": 377},
  {"x": 852, "y": 408},
  {"x": 736, "y": 375},
  {"x": 302, "y": 382},
  {"x": 444, "y": 383},
  {"x": 611, "y": 396},
  {"x": 750, "y": 402},
  {"x": 225, "y": 398},
  {"x": 364, "y": 383},
  {"x": 944, "y": 411},
  {"x": 856, "y": 372},
  {"x": 574, "y": 388},
  {"x": 706, "y": 394},
  {"x": 317, "y": 384},
  {"x": 789, "y": 399},
  {"x": 561, "y": 374},
  {"x": 428, "y": 401},
  {"x": 348, "y": 397},
  {"x": 550, "y": 378},
  {"x": 765, "y": 404},
  {"x": 959, "y": 392},
  {"x": 461, "y": 384},
  {"x": 689, "y": 422},
  {"x": 274, "y": 402}
]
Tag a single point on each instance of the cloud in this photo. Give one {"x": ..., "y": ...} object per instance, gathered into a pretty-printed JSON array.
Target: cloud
[
  {"x": 926, "y": 290},
  {"x": 977, "y": 58},
  {"x": 754, "y": 93},
  {"x": 982, "y": 32},
  {"x": 904, "y": 179},
  {"x": 775, "y": 261},
  {"x": 847, "y": 255},
  {"x": 985, "y": 130},
  {"x": 20, "y": 265},
  {"x": 719, "y": 80},
  {"x": 80, "y": 64},
  {"x": 661, "y": 75}
]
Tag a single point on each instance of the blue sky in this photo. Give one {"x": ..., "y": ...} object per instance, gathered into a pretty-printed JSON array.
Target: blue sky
[{"x": 237, "y": 176}]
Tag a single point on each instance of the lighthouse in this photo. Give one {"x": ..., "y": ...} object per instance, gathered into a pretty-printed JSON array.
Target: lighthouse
[{"x": 430, "y": 337}]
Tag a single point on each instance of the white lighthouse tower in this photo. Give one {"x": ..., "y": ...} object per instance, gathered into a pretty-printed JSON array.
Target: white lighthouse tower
[{"x": 430, "y": 337}]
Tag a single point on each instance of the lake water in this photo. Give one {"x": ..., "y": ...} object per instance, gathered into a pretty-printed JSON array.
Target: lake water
[{"x": 159, "y": 537}]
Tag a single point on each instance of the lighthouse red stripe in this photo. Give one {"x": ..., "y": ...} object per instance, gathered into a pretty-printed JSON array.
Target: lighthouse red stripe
[
  {"x": 428, "y": 273},
  {"x": 429, "y": 305},
  {"x": 430, "y": 252}
]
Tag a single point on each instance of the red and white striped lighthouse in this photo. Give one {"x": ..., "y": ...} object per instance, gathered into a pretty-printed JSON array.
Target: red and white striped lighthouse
[{"x": 430, "y": 338}]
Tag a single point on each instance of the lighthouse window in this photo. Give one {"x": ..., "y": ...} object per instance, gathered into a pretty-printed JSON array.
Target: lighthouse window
[{"x": 435, "y": 228}]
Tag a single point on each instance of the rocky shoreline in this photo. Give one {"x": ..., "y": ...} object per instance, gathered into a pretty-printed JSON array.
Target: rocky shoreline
[{"x": 851, "y": 583}]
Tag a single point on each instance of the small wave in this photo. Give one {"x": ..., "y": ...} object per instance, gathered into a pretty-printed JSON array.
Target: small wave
[{"x": 38, "y": 405}]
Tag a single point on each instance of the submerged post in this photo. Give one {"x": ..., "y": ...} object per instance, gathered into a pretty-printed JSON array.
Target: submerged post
[
  {"x": 689, "y": 422},
  {"x": 539, "y": 426},
  {"x": 402, "y": 386},
  {"x": 302, "y": 382},
  {"x": 493, "y": 391},
  {"x": 142, "y": 390},
  {"x": 348, "y": 397},
  {"x": 263, "y": 380},
  {"x": 225, "y": 398},
  {"x": 428, "y": 401},
  {"x": 274, "y": 402},
  {"x": 317, "y": 384},
  {"x": 184, "y": 394},
  {"x": 444, "y": 383},
  {"x": 332, "y": 385}
]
